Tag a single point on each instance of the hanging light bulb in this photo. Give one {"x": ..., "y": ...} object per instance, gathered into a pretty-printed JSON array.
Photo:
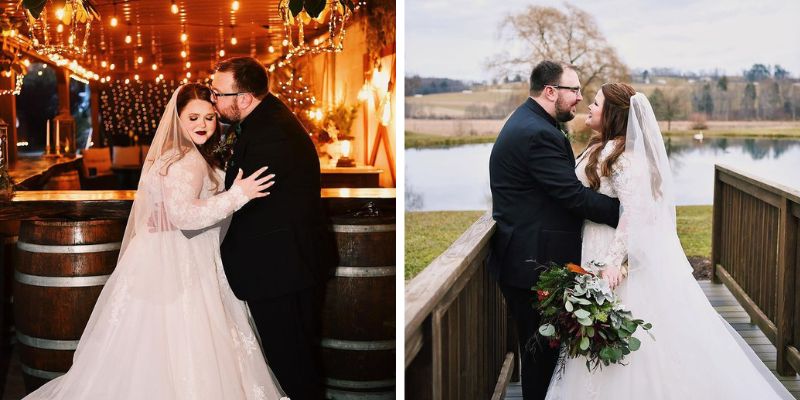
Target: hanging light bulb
[
  {"x": 235, "y": 5},
  {"x": 128, "y": 38},
  {"x": 188, "y": 64},
  {"x": 136, "y": 77},
  {"x": 285, "y": 42},
  {"x": 154, "y": 66},
  {"x": 183, "y": 53},
  {"x": 127, "y": 81},
  {"x": 188, "y": 74},
  {"x": 60, "y": 28},
  {"x": 174, "y": 7},
  {"x": 103, "y": 64},
  {"x": 112, "y": 66},
  {"x": 234, "y": 40},
  {"x": 60, "y": 13},
  {"x": 184, "y": 36},
  {"x": 222, "y": 53},
  {"x": 139, "y": 59},
  {"x": 271, "y": 49},
  {"x": 114, "y": 21}
]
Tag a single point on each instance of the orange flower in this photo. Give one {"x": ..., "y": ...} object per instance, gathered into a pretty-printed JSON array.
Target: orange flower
[{"x": 576, "y": 269}]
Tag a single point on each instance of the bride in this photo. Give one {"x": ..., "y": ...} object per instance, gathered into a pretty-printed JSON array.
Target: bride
[
  {"x": 166, "y": 325},
  {"x": 695, "y": 354}
]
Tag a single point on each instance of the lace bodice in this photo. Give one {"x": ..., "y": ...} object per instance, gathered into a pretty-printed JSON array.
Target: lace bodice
[
  {"x": 186, "y": 197},
  {"x": 601, "y": 242}
]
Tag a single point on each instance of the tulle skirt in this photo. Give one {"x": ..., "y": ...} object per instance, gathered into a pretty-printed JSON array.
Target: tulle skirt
[
  {"x": 167, "y": 326},
  {"x": 695, "y": 354}
]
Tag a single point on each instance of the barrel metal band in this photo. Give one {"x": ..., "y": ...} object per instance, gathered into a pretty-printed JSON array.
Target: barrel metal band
[
  {"x": 68, "y": 249},
  {"x": 60, "y": 281},
  {"x": 38, "y": 373},
  {"x": 339, "y": 344},
  {"x": 363, "y": 228},
  {"x": 365, "y": 272},
  {"x": 359, "y": 384},
  {"x": 47, "y": 344},
  {"x": 345, "y": 395}
]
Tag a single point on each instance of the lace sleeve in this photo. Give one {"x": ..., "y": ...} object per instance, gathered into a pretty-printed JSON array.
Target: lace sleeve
[
  {"x": 621, "y": 181},
  {"x": 184, "y": 206}
]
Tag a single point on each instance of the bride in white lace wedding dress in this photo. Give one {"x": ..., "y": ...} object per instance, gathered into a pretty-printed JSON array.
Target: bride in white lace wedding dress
[
  {"x": 166, "y": 325},
  {"x": 695, "y": 354}
]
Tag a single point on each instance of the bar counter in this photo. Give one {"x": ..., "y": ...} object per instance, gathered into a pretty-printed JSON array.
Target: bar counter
[{"x": 32, "y": 171}]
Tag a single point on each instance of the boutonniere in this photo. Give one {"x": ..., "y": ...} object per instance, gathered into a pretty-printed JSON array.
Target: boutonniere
[{"x": 567, "y": 135}]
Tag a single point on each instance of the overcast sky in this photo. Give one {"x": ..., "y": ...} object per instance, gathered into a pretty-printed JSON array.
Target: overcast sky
[{"x": 454, "y": 38}]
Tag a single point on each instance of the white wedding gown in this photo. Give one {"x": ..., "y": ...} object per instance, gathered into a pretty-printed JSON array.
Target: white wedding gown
[
  {"x": 167, "y": 325},
  {"x": 694, "y": 354}
]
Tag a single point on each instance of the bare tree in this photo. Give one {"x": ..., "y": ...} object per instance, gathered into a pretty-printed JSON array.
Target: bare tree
[{"x": 540, "y": 33}]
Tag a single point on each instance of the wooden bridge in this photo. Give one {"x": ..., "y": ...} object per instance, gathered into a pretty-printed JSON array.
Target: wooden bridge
[{"x": 460, "y": 342}]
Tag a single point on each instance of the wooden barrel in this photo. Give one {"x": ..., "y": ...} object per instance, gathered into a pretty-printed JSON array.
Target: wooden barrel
[
  {"x": 358, "y": 324},
  {"x": 8, "y": 242},
  {"x": 69, "y": 180},
  {"x": 60, "y": 269}
]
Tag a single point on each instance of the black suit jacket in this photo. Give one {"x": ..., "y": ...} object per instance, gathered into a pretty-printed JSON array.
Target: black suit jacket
[
  {"x": 538, "y": 202},
  {"x": 271, "y": 246}
]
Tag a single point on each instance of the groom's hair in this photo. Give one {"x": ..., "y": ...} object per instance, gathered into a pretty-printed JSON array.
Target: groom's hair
[
  {"x": 248, "y": 75},
  {"x": 547, "y": 73}
]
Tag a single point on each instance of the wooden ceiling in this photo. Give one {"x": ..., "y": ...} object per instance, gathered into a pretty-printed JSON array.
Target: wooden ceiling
[{"x": 156, "y": 33}]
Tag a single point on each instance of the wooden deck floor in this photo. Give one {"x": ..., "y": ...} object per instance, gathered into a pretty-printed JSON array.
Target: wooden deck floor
[{"x": 724, "y": 302}]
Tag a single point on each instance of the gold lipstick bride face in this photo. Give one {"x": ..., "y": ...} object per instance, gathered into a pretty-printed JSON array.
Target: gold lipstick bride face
[{"x": 198, "y": 120}]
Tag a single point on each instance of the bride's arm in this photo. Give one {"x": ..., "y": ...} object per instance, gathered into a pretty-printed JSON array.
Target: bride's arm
[
  {"x": 182, "y": 187},
  {"x": 621, "y": 181}
]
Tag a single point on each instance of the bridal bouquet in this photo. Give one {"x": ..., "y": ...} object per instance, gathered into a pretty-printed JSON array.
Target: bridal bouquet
[{"x": 579, "y": 310}]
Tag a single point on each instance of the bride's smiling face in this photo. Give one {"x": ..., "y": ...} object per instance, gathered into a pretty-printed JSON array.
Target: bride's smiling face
[
  {"x": 198, "y": 120},
  {"x": 595, "y": 120}
]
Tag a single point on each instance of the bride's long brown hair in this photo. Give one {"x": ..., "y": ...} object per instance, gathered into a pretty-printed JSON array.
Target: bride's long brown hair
[{"x": 614, "y": 125}]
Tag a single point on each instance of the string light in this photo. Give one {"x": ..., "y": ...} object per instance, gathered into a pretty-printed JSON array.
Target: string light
[
  {"x": 183, "y": 53},
  {"x": 174, "y": 7},
  {"x": 184, "y": 37},
  {"x": 188, "y": 64},
  {"x": 128, "y": 38},
  {"x": 235, "y": 5},
  {"x": 104, "y": 64},
  {"x": 112, "y": 66},
  {"x": 271, "y": 49},
  {"x": 60, "y": 28},
  {"x": 139, "y": 60},
  {"x": 234, "y": 41},
  {"x": 222, "y": 53},
  {"x": 154, "y": 67},
  {"x": 60, "y": 13},
  {"x": 114, "y": 21}
]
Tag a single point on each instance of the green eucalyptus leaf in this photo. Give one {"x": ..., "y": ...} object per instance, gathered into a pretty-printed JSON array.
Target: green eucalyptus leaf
[
  {"x": 581, "y": 313},
  {"x": 585, "y": 321},
  {"x": 584, "y": 343},
  {"x": 568, "y": 306},
  {"x": 634, "y": 343},
  {"x": 590, "y": 331},
  {"x": 547, "y": 330}
]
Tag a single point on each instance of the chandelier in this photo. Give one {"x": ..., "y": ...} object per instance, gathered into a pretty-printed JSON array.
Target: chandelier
[
  {"x": 61, "y": 31},
  {"x": 297, "y": 15}
]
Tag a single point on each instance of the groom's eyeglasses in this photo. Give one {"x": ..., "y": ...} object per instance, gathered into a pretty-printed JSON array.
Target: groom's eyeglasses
[
  {"x": 215, "y": 94},
  {"x": 573, "y": 89}
]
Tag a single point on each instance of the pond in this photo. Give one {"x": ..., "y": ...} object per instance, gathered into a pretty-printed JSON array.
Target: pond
[{"x": 457, "y": 178}]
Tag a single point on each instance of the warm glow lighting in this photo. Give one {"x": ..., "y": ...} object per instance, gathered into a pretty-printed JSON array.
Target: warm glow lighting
[
  {"x": 363, "y": 94},
  {"x": 234, "y": 40},
  {"x": 285, "y": 42},
  {"x": 39, "y": 73},
  {"x": 188, "y": 64},
  {"x": 271, "y": 49},
  {"x": 184, "y": 36},
  {"x": 26, "y": 62},
  {"x": 60, "y": 28},
  {"x": 128, "y": 38},
  {"x": 112, "y": 66},
  {"x": 235, "y": 5},
  {"x": 114, "y": 21},
  {"x": 154, "y": 67},
  {"x": 174, "y": 8},
  {"x": 345, "y": 148},
  {"x": 222, "y": 53},
  {"x": 188, "y": 74},
  {"x": 127, "y": 81},
  {"x": 386, "y": 118},
  {"x": 183, "y": 53},
  {"x": 161, "y": 76},
  {"x": 103, "y": 64},
  {"x": 60, "y": 13},
  {"x": 108, "y": 78},
  {"x": 102, "y": 80},
  {"x": 139, "y": 59},
  {"x": 136, "y": 77}
]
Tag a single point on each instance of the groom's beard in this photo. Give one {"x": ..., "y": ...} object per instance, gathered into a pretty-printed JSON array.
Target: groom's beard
[
  {"x": 563, "y": 111},
  {"x": 231, "y": 115}
]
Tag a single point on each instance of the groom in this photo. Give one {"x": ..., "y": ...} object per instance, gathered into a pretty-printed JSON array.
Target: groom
[
  {"x": 271, "y": 252},
  {"x": 539, "y": 206}
]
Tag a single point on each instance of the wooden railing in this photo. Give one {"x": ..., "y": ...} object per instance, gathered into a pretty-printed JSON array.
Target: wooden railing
[
  {"x": 754, "y": 253},
  {"x": 459, "y": 341}
]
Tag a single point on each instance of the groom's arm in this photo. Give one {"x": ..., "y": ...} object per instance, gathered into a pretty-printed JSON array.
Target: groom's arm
[{"x": 554, "y": 169}]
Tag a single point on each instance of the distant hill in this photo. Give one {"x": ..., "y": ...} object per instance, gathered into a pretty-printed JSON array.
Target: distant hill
[{"x": 419, "y": 85}]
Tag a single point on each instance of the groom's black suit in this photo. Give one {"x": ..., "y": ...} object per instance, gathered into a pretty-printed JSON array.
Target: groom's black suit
[
  {"x": 539, "y": 206},
  {"x": 272, "y": 252}
]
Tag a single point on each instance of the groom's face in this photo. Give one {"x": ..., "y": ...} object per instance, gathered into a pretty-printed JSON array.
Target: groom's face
[
  {"x": 227, "y": 106},
  {"x": 567, "y": 101}
]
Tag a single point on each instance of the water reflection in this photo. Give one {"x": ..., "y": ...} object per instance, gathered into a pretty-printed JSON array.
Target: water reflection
[{"x": 457, "y": 178}]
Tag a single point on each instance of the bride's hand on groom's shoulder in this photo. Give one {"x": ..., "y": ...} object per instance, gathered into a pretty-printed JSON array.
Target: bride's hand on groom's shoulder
[{"x": 254, "y": 186}]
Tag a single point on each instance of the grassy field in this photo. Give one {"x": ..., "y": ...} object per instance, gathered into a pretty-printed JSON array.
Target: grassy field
[
  {"x": 415, "y": 140},
  {"x": 428, "y": 234}
]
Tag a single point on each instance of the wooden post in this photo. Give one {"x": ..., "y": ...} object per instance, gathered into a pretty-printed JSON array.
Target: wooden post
[
  {"x": 716, "y": 227},
  {"x": 787, "y": 262},
  {"x": 94, "y": 100},
  {"x": 62, "y": 87},
  {"x": 8, "y": 112}
]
